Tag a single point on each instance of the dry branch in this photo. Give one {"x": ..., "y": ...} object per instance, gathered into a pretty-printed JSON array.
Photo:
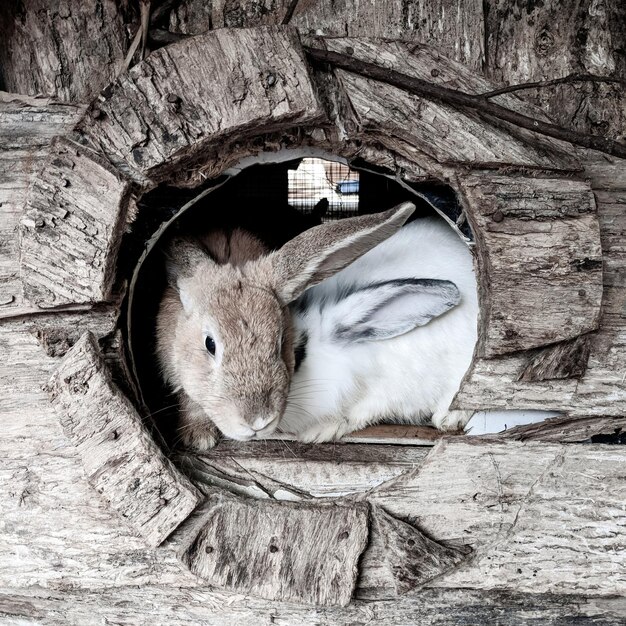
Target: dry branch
[{"x": 477, "y": 103}]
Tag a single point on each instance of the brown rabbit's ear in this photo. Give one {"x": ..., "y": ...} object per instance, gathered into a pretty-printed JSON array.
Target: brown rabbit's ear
[
  {"x": 182, "y": 258},
  {"x": 326, "y": 249}
]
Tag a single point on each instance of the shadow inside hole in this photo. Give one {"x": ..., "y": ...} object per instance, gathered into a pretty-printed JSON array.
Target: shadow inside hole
[{"x": 256, "y": 200}]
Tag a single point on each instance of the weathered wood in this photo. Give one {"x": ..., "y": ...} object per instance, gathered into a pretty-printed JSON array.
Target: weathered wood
[
  {"x": 288, "y": 470},
  {"x": 540, "y": 259},
  {"x": 27, "y": 126},
  {"x": 67, "y": 50},
  {"x": 187, "y": 98},
  {"x": 544, "y": 518},
  {"x": 444, "y": 133},
  {"x": 494, "y": 383},
  {"x": 454, "y": 28},
  {"x": 280, "y": 551},
  {"x": 568, "y": 429},
  {"x": 539, "y": 41},
  {"x": 567, "y": 359},
  {"x": 137, "y": 606},
  {"x": 50, "y": 511},
  {"x": 72, "y": 228},
  {"x": 400, "y": 558},
  {"x": 119, "y": 456}
]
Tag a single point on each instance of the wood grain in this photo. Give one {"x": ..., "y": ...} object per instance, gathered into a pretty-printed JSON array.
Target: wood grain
[
  {"x": 137, "y": 606},
  {"x": 119, "y": 456},
  {"x": 27, "y": 126},
  {"x": 540, "y": 260},
  {"x": 187, "y": 98},
  {"x": 442, "y": 132},
  {"x": 66, "y": 50},
  {"x": 280, "y": 551},
  {"x": 72, "y": 228}
]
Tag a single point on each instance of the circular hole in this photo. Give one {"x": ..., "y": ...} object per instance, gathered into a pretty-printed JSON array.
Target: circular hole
[{"x": 275, "y": 201}]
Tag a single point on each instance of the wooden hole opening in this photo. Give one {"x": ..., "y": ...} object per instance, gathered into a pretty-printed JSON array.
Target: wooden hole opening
[{"x": 276, "y": 201}]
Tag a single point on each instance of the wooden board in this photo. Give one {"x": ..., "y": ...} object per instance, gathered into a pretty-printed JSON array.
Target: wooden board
[
  {"x": 72, "y": 228},
  {"x": 120, "y": 458},
  {"x": 187, "y": 98},
  {"x": 556, "y": 38},
  {"x": 137, "y": 606},
  {"x": 454, "y": 28},
  {"x": 495, "y": 383},
  {"x": 544, "y": 518}
]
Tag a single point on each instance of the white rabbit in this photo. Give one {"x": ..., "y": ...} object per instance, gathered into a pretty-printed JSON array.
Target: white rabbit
[{"x": 388, "y": 338}]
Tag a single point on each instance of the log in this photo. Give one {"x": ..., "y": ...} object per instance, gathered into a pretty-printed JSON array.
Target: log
[
  {"x": 27, "y": 125},
  {"x": 540, "y": 260},
  {"x": 297, "y": 552},
  {"x": 72, "y": 228},
  {"x": 494, "y": 383},
  {"x": 188, "y": 98},
  {"x": 119, "y": 456},
  {"x": 542, "y": 517},
  {"x": 536, "y": 42},
  {"x": 137, "y": 606},
  {"x": 68, "y": 51},
  {"x": 455, "y": 29},
  {"x": 441, "y": 131},
  {"x": 289, "y": 470}
]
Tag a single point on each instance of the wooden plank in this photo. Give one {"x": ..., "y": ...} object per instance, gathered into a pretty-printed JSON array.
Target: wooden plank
[
  {"x": 72, "y": 228},
  {"x": 280, "y": 551},
  {"x": 539, "y": 257},
  {"x": 187, "y": 98},
  {"x": 443, "y": 133},
  {"x": 70, "y": 51},
  {"x": 541, "y": 518},
  {"x": 119, "y": 456},
  {"x": 137, "y": 606},
  {"x": 54, "y": 529},
  {"x": 27, "y": 125}
]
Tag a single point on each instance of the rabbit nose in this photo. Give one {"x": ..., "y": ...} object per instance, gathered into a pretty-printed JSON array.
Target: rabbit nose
[{"x": 261, "y": 421}]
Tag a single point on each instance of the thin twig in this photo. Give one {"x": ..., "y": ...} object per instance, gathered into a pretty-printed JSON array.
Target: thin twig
[
  {"x": 478, "y": 103},
  {"x": 571, "y": 78}
]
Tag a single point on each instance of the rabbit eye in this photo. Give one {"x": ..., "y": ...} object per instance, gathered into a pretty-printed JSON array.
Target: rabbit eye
[{"x": 209, "y": 343}]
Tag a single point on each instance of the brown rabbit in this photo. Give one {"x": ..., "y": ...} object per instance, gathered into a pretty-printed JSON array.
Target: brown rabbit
[{"x": 224, "y": 336}]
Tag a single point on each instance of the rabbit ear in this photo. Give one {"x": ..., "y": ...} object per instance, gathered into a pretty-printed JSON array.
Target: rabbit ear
[
  {"x": 323, "y": 250},
  {"x": 392, "y": 308},
  {"x": 182, "y": 258}
]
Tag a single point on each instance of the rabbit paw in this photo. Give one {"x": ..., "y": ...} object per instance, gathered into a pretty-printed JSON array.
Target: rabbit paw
[
  {"x": 324, "y": 431},
  {"x": 199, "y": 437},
  {"x": 451, "y": 420}
]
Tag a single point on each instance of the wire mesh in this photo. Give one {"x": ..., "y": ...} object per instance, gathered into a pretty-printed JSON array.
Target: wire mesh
[{"x": 328, "y": 188}]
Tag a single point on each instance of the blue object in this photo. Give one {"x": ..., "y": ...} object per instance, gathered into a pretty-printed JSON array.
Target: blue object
[{"x": 347, "y": 187}]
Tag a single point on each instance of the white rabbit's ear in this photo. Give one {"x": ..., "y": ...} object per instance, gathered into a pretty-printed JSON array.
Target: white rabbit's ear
[
  {"x": 388, "y": 309},
  {"x": 324, "y": 250}
]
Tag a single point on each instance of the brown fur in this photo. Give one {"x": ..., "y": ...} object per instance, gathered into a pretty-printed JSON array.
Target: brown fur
[{"x": 232, "y": 288}]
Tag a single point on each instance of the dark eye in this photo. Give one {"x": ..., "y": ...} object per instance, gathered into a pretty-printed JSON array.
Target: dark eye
[{"x": 209, "y": 342}]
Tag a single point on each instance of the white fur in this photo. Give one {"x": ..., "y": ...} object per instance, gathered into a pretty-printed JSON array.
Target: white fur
[{"x": 412, "y": 378}]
